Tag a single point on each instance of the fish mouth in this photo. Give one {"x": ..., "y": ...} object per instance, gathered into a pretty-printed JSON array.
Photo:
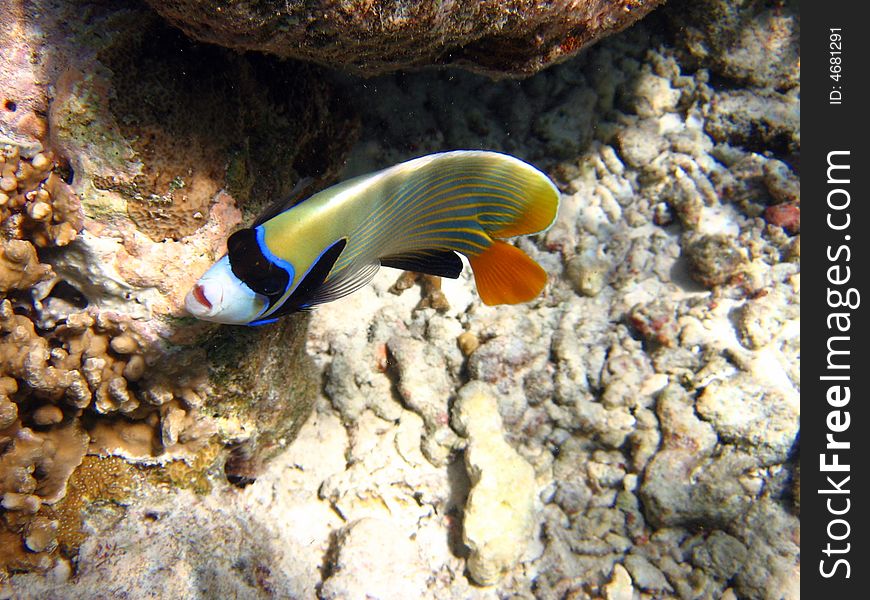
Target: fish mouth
[
  {"x": 219, "y": 296},
  {"x": 197, "y": 303},
  {"x": 199, "y": 294}
]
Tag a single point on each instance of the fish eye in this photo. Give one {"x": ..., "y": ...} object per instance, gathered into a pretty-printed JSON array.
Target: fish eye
[{"x": 253, "y": 267}]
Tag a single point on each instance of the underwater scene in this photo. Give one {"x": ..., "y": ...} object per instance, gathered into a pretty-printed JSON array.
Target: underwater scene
[{"x": 380, "y": 299}]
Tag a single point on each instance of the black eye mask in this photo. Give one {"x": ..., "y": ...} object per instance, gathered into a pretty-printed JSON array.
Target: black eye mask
[{"x": 251, "y": 265}]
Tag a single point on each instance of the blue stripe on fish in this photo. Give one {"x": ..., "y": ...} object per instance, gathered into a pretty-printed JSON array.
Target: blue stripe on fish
[{"x": 267, "y": 252}]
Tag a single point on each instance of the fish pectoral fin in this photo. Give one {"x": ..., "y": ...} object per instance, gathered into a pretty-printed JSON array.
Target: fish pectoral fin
[
  {"x": 312, "y": 283},
  {"x": 443, "y": 263},
  {"x": 313, "y": 287},
  {"x": 506, "y": 275},
  {"x": 342, "y": 284}
]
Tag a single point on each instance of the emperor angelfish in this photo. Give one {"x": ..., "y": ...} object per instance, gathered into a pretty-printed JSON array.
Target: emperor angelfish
[{"x": 414, "y": 216}]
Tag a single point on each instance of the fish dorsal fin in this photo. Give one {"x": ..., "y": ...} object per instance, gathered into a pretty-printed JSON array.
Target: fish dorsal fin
[
  {"x": 505, "y": 274},
  {"x": 444, "y": 263},
  {"x": 457, "y": 201},
  {"x": 504, "y": 195},
  {"x": 301, "y": 191}
]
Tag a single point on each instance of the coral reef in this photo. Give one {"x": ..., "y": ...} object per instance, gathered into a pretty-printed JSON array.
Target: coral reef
[
  {"x": 726, "y": 37},
  {"x": 23, "y": 102},
  {"x": 641, "y": 416},
  {"x": 518, "y": 37},
  {"x": 111, "y": 199},
  {"x": 673, "y": 290},
  {"x": 86, "y": 386}
]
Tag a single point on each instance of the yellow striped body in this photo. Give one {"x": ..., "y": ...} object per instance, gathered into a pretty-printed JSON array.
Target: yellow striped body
[{"x": 454, "y": 201}]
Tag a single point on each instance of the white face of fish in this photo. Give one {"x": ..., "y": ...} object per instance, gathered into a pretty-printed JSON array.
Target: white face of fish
[{"x": 222, "y": 297}]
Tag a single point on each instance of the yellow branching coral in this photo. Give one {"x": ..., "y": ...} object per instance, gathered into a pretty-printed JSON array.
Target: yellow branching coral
[
  {"x": 92, "y": 363},
  {"x": 35, "y": 203},
  {"x": 19, "y": 266}
]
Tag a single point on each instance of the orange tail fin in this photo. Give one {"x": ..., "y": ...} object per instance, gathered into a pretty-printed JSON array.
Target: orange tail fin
[{"x": 506, "y": 275}]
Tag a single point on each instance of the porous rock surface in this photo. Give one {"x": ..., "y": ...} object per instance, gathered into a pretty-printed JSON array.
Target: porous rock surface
[
  {"x": 652, "y": 389},
  {"x": 513, "y": 37}
]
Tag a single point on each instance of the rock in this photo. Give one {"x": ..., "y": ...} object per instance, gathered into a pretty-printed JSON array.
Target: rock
[
  {"x": 715, "y": 258},
  {"x": 132, "y": 549},
  {"x": 755, "y": 120},
  {"x": 426, "y": 387},
  {"x": 504, "y": 359},
  {"x": 763, "y": 417},
  {"x": 377, "y": 482},
  {"x": 500, "y": 515},
  {"x": 654, "y": 96},
  {"x": 771, "y": 568},
  {"x": 569, "y": 130},
  {"x": 573, "y": 490},
  {"x": 782, "y": 182},
  {"x": 757, "y": 323},
  {"x": 646, "y": 575},
  {"x": 757, "y": 43},
  {"x": 587, "y": 274},
  {"x": 468, "y": 343},
  {"x": 356, "y": 380},
  {"x": 686, "y": 442},
  {"x": 374, "y": 559},
  {"x": 640, "y": 144},
  {"x": 786, "y": 215},
  {"x": 655, "y": 322},
  {"x": 721, "y": 555},
  {"x": 512, "y": 38},
  {"x": 619, "y": 587}
]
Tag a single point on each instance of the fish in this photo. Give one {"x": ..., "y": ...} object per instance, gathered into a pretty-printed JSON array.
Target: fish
[{"x": 418, "y": 215}]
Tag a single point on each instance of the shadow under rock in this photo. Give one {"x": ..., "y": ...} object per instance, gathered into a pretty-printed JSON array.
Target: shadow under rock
[{"x": 460, "y": 486}]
